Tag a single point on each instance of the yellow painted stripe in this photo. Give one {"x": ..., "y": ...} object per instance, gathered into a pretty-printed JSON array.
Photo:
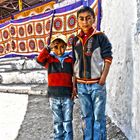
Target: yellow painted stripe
[{"x": 20, "y": 4}]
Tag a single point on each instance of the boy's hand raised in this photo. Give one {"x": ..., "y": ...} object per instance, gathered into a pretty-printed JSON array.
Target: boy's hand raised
[{"x": 53, "y": 44}]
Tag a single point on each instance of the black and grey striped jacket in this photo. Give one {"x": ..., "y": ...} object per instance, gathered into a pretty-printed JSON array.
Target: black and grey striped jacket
[{"x": 89, "y": 58}]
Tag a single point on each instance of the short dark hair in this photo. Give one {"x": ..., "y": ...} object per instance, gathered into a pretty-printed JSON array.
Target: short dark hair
[{"x": 86, "y": 9}]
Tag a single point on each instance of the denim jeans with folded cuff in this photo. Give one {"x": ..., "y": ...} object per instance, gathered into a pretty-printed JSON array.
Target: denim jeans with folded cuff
[
  {"x": 62, "y": 109},
  {"x": 92, "y": 99}
]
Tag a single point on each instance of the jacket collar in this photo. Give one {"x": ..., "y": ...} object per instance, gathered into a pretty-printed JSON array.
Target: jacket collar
[{"x": 82, "y": 34}]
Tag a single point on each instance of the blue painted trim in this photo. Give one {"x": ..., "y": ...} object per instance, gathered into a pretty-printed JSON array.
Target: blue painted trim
[
  {"x": 99, "y": 16},
  {"x": 31, "y": 56},
  {"x": 4, "y": 24}
]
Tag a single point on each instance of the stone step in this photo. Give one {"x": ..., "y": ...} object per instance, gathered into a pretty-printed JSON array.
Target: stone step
[
  {"x": 19, "y": 64},
  {"x": 24, "y": 77},
  {"x": 10, "y": 59},
  {"x": 6, "y": 67},
  {"x": 32, "y": 89}
]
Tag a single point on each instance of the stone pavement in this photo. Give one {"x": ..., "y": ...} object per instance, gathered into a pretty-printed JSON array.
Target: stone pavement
[{"x": 37, "y": 123}]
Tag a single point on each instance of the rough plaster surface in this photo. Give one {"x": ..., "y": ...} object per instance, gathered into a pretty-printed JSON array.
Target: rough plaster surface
[
  {"x": 136, "y": 89},
  {"x": 136, "y": 79},
  {"x": 119, "y": 23}
]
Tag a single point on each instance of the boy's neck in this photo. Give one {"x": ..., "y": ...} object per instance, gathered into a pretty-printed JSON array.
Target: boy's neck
[
  {"x": 90, "y": 31},
  {"x": 58, "y": 55}
]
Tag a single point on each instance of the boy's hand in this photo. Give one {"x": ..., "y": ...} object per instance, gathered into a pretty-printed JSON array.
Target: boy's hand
[
  {"x": 102, "y": 81},
  {"x": 104, "y": 74},
  {"x": 74, "y": 93},
  {"x": 53, "y": 44}
]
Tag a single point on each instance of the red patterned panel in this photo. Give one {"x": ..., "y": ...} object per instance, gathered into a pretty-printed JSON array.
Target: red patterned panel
[
  {"x": 58, "y": 24},
  {"x": 13, "y": 32},
  {"x": 48, "y": 24},
  {"x": 30, "y": 29},
  {"x": 5, "y": 34},
  {"x": 41, "y": 44},
  {"x": 39, "y": 28},
  {"x": 8, "y": 47},
  {"x": 13, "y": 45},
  {"x": 32, "y": 44},
  {"x": 71, "y": 21},
  {"x": 1, "y": 49},
  {"x": 21, "y": 31},
  {"x": 22, "y": 46},
  {"x": 70, "y": 40}
]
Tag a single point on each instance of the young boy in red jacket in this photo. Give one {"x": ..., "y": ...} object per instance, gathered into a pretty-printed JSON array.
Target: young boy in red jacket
[{"x": 60, "y": 70}]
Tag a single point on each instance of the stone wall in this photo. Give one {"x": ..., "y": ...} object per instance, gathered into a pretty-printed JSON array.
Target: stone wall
[
  {"x": 22, "y": 75},
  {"x": 136, "y": 78},
  {"x": 121, "y": 24}
]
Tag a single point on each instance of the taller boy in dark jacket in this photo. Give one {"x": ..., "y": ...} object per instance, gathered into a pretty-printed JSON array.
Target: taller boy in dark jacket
[
  {"x": 92, "y": 58},
  {"x": 60, "y": 70}
]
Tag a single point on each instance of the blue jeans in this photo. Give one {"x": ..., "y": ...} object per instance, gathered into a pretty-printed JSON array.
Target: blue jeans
[
  {"x": 62, "y": 109},
  {"x": 92, "y": 99}
]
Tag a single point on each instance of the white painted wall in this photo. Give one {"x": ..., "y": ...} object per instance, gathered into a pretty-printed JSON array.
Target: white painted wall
[{"x": 119, "y": 23}]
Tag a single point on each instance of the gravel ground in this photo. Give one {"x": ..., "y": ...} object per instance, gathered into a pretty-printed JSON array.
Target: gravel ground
[{"x": 37, "y": 123}]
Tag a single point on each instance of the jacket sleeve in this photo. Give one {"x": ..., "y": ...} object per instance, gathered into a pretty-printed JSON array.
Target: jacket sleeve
[
  {"x": 43, "y": 57},
  {"x": 73, "y": 51},
  {"x": 106, "y": 48}
]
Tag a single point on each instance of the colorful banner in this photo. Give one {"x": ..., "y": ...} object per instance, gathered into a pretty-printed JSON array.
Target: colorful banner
[{"x": 28, "y": 36}]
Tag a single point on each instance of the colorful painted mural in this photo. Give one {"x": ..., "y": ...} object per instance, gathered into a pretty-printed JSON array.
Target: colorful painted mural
[{"x": 28, "y": 36}]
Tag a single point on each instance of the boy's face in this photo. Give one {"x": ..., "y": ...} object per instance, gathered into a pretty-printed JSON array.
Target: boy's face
[
  {"x": 85, "y": 21},
  {"x": 58, "y": 47}
]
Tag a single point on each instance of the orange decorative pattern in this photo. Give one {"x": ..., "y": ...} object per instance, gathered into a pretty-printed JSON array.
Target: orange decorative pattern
[{"x": 29, "y": 35}]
